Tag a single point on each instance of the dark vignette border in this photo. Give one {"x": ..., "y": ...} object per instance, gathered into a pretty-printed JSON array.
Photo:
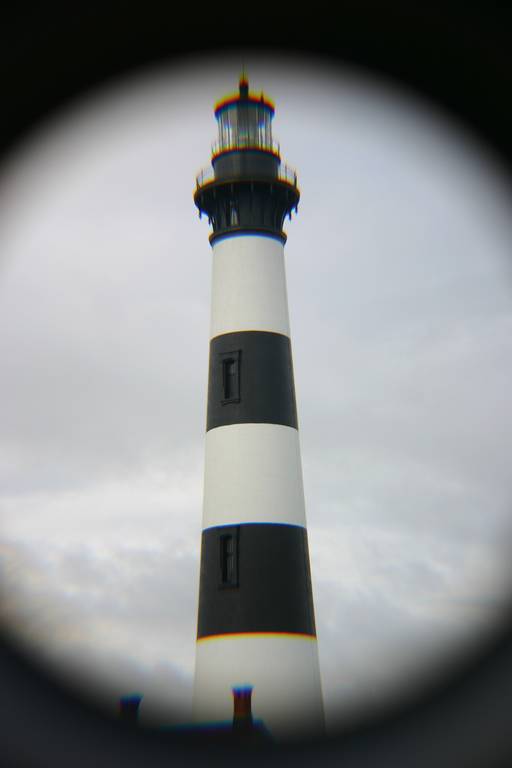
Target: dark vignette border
[{"x": 459, "y": 55}]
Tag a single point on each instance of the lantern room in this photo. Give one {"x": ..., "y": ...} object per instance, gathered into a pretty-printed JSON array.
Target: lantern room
[{"x": 244, "y": 122}]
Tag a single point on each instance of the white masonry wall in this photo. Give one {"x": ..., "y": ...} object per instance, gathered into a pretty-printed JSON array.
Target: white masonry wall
[
  {"x": 284, "y": 673},
  {"x": 249, "y": 286}
]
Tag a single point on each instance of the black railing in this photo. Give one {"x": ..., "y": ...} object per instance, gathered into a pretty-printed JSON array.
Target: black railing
[
  {"x": 245, "y": 142},
  {"x": 284, "y": 173}
]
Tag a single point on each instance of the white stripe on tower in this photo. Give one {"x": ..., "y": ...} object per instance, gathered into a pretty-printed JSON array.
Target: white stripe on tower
[
  {"x": 253, "y": 475},
  {"x": 249, "y": 286},
  {"x": 255, "y": 618}
]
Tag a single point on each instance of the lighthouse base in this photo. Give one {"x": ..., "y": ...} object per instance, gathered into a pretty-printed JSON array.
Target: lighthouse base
[{"x": 283, "y": 671}]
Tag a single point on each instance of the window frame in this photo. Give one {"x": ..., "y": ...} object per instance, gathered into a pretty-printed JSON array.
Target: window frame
[
  {"x": 233, "y": 394},
  {"x": 228, "y": 576}
]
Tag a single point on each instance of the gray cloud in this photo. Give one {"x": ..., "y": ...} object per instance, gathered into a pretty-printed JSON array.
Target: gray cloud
[{"x": 109, "y": 620}]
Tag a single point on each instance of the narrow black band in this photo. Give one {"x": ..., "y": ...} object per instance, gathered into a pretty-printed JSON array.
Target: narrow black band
[
  {"x": 255, "y": 577},
  {"x": 222, "y": 234},
  {"x": 251, "y": 380}
]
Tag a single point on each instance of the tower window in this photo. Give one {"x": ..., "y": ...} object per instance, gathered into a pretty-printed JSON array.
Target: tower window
[
  {"x": 229, "y": 560},
  {"x": 230, "y": 378}
]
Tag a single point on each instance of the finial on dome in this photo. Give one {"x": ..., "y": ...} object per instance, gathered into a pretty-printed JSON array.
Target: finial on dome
[{"x": 243, "y": 85}]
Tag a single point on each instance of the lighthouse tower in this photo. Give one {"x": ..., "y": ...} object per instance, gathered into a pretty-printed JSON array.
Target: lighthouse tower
[{"x": 256, "y": 625}]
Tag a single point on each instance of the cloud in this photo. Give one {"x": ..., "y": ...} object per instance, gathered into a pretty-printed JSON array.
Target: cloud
[
  {"x": 396, "y": 611},
  {"x": 106, "y": 618}
]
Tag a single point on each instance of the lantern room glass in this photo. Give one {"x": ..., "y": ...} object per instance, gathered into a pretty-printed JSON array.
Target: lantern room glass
[{"x": 245, "y": 124}]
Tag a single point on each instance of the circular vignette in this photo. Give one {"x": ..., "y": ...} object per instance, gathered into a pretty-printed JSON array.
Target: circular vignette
[{"x": 458, "y": 58}]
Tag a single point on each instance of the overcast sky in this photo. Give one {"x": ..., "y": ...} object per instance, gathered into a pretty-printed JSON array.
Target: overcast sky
[{"x": 400, "y": 295}]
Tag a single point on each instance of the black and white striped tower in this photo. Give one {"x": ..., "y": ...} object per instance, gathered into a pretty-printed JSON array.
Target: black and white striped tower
[{"x": 256, "y": 624}]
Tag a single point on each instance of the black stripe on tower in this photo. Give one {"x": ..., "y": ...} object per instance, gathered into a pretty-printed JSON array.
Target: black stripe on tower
[
  {"x": 251, "y": 380},
  {"x": 255, "y": 577}
]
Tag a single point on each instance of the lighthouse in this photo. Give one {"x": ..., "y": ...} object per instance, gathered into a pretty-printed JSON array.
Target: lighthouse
[{"x": 256, "y": 624}]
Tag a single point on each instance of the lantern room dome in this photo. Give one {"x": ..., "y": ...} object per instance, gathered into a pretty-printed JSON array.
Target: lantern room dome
[
  {"x": 244, "y": 97},
  {"x": 244, "y": 122}
]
